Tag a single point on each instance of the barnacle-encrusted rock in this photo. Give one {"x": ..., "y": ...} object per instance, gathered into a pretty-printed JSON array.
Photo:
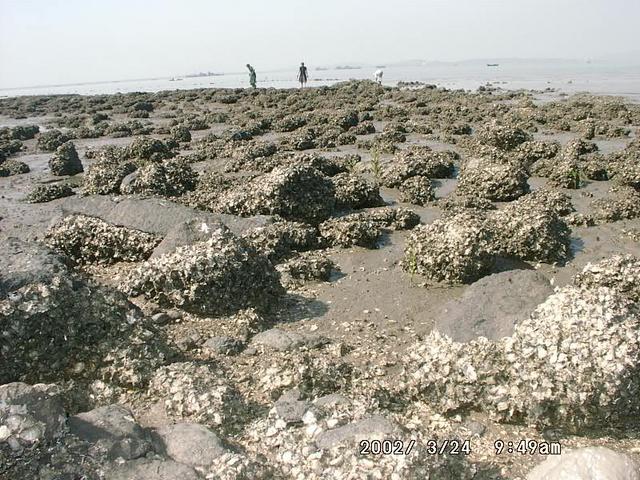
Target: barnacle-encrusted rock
[
  {"x": 48, "y": 192},
  {"x": 147, "y": 148},
  {"x": 49, "y": 316},
  {"x": 502, "y": 137},
  {"x": 324, "y": 442},
  {"x": 455, "y": 203},
  {"x": 208, "y": 189},
  {"x": 106, "y": 175},
  {"x": 29, "y": 415},
  {"x": 418, "y": 160},
  {"x": 13, "y": 167},
  {"x": 353, "y": 191},
  {"x": 566, "y": 173},
  {"x": 452, "y": 375},
  {"x": 52, "y": 139},
  {"x": 577, "y": 147},
  {"x": 307, "y": 266},
  {"x": 222, "y": 275},
  {"x": 181, "y": 133},
  {"x": 65, "y": 160},
  {"x": 531, "y": 229},
  {"x": 492, "y": 180},
  {"x": 390, "y": 218},
  {"x": 168, "y": 178},
  {"x": 350, "y": 230},
  {"x": 575, "y": 362},
  {"x": 627, "y": 173},
  {"x": 90, "y": 240},
  {"x": 621, "y": 203},
  {"x": 417, "y": 190},
  {"x": 252, "y": 155},
  {"x": 529, "y": 152},
  {"x": 296, "y": 193},
  {"x": 279, "y": 239},
  {"x": 455, "y": 249},
  {"x": 196, "y": 392},
  {"x": 620, "y": 273}
]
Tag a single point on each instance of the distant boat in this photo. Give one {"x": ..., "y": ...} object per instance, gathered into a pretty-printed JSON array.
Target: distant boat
[{"x": 493, "y": 64}]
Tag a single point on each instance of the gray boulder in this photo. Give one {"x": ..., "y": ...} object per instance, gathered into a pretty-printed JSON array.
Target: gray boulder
[
  {"x": 65, "y": 160},
  {"x": 493, "y": 306},
  {"x": 189, "y": 443},
  {"x": 144, "y": 469},
  {"x": 113, "y": 429},
  {"x": 155, "y": 215}
]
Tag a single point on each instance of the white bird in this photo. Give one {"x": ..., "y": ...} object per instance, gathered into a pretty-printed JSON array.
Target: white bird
[{"x": 378, "y": 75}]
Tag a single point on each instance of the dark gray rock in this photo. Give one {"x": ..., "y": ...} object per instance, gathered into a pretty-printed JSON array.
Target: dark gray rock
[
  {"x": 494, "y": 305},
  {"x": 155, "y": 215},
  {"x": 189, "y": 443},
  {"x": 24, "y": 263},
  {"x": 30, "y": 414},
  {"x": 223, "y": 345},
  {"x": 290, "y": 407},
  {"x": 331, "y": 400},
  {"x": 144, "y": 469},
  {"x": 368, "y": 428},
  {"x": 65, "y": 160},
  {"x": 161, "y": 318},
  {"x": 113, "y": 429},
  {"x": 281, "y": 340}
]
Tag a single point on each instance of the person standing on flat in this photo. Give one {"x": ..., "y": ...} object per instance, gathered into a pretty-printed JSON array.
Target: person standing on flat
[
  {"x": 302, "y": 75},
  {"x": 252, "y": 76}
]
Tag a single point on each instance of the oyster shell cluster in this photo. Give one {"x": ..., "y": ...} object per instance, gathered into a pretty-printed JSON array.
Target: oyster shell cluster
[{"x": 89, "y": 240}]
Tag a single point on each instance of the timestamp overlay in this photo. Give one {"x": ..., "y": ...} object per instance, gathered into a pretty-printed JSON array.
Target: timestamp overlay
[
  {"x": 400, "y": 447},
  {"x": 527, "y": 447}
]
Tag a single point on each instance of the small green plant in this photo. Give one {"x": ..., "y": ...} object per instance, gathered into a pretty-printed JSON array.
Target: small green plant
[
  {"x": 411, "y": 263},
  {"x": 376, "y": 165},
  {"x": 575, "y": 178}
]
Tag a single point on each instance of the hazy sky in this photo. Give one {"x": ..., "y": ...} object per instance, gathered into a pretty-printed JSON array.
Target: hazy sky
[{"x": 66, "y": 41}]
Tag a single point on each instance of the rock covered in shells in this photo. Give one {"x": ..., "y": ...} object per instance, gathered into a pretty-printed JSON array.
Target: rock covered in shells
[
  {"x": 88, "y": 240},
  {"x": 222, "y": 275},
  {"x": 168, "y": 178},
  {"x": 350, "y": 230},
  {"x": 151, "y": 149},
  {"x": 299, "y": 193},
  {"x": 572, "y": 365},
  {"x": 12, "y": 167},
  {"x": 324, "y": 443},
  {"x": 197, "y": 392},
  {"x": 48, "y": 192},
  {"x": 418, "y": 160},
  {"x": 583, "y": 338},
  {"x": 502, "y": 136},
  {"x": 455, "y": 203},
  {"x": 307, "y": 266},
  {"x": 452, "y": 250},
  {"x": 417, "y": 191},
  {"x": 50, "y": 316},
  {"x": 492, "y": 180},
  {"x": 531, "y": 229},
  {"x": 277, "y": 240},
  {"x": 620, "y": 273},
  {"x": 354, "y": 192},
  {"x": 105, "y": 176},
  {"x": 30, "y": 415},
  {"x": 65, "y": 160},
  {"x": 52, "y": 139},
  {"x": 529, "y": 152},
  {"x": 621, "y": 203}
]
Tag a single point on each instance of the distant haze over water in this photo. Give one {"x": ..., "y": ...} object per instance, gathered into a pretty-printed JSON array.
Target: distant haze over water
[{"x": 596, "y": 77}]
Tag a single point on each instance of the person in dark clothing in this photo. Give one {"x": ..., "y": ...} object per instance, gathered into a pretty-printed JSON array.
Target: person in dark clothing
[
  {"x": 302, "y": 75},
  {"x": 252, "y": 76}
]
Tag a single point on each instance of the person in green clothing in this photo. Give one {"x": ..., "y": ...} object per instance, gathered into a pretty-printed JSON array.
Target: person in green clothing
[{"x": 252, "y": 76}]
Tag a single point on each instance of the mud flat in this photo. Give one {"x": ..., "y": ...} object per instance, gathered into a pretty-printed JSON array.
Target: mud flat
[{"x": 249, "y": 283}]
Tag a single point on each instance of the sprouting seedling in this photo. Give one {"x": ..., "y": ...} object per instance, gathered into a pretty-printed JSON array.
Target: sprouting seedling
[
  {"x": 575, "y": 178},
  {"x": 376, "y": 165}
]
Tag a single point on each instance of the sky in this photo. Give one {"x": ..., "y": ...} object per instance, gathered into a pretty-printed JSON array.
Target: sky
[{"x": 48, "y": 42}]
